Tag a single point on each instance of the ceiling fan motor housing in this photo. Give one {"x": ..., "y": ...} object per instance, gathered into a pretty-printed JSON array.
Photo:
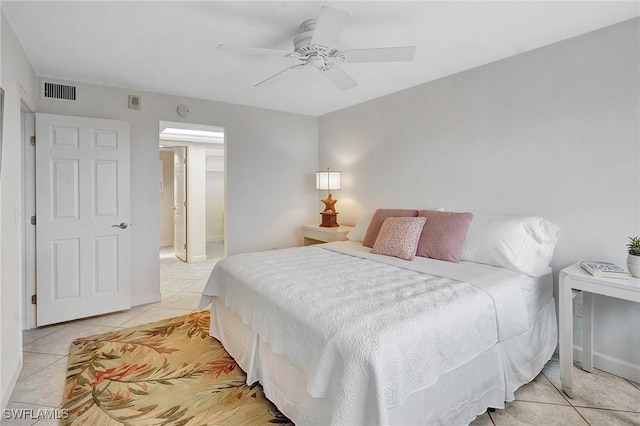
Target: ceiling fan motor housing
[
  {"x": 320, "y": 57},
  {"x": 302, "y": 42}
]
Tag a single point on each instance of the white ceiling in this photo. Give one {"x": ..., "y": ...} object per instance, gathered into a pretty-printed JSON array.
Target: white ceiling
[{"x": 170, "y": 47}]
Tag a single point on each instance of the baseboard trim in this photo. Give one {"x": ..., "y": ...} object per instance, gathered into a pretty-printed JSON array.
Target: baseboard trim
[
  {"x": 610, "y": 365},
  {"x": 12, "y": 384},
  {"x": 143, "y": 299}
]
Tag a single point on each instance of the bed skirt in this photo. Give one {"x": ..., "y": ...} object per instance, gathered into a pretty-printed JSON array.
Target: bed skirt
[{"x": 457, "y": 397}]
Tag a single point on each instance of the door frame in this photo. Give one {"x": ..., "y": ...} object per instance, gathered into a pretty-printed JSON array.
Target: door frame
[
  {"x": 181, "y": 187},
  {"x": 28, "y": 178},
  {"x": 190, "y": 142}
]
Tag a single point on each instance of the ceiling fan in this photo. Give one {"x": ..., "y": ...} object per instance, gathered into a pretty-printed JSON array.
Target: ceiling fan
[{"x": 315, "y": 47}]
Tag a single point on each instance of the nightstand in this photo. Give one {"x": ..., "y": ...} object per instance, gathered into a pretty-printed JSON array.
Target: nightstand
[
  {"x": 574, "y": 280},
  {"x": 315, "y": 234}
]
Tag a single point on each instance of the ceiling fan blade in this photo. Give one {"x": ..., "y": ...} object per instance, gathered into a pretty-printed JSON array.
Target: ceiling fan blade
[
  {"x": 339, "y": 77},
  {"x": 381, "y": 54},
  {"x": 253, "y": 50},
  {"x": 330, "y": 24},
  {"x": 277, "y": 76}
]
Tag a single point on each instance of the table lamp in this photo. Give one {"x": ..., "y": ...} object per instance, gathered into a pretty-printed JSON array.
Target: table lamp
[{"x": 328, "y": 180}]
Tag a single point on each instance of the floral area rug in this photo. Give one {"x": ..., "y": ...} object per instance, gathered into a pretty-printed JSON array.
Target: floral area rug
[{"x": 169, "y": 372}]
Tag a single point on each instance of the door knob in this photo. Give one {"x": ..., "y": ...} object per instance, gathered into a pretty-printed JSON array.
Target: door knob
[{"x": 123, "y": 225}]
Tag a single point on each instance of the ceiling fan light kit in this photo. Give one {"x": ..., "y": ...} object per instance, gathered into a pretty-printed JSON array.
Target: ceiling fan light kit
[{"x": 314, "y": 47}]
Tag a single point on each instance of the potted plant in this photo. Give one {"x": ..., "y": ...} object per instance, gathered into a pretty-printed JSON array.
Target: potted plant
[{"x": 633, "y": 260}]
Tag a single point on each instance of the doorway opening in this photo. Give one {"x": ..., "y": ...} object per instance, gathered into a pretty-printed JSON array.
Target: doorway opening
[{"x": 192, "y": 191}]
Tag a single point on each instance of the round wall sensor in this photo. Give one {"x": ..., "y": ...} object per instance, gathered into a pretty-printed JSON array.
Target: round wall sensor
[{"x": 183, "y": 110}]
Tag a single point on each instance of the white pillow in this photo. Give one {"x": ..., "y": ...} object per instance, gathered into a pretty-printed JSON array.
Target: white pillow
[
  {"x": 522, "y": 244},
  {"x": 360, "y": 230}
]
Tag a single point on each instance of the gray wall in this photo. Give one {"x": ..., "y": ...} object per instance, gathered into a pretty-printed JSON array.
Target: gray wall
[
  {"x": 553, "y": 132},
  {"x": 271, "y": 157}
]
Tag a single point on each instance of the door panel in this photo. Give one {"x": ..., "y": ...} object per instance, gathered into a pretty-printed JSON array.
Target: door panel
[
  {"x": 65, "y": 268},
  {"x": 82, "y": 191},
  {"x": 65, "y": 189},
  {"x": 105, "y": 178},
  {"x": 105, "y": 263}
]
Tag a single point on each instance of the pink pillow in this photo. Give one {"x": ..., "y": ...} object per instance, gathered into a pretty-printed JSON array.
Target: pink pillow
[
  {"x": 398, "y": 237},
  {"x": 443, "y": 235},
  {"x": 378, "y": 219}
]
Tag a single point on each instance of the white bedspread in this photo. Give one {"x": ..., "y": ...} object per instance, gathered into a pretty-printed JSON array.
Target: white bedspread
[
  {"x": 365, "y": 333},
  {"x": 509, "y": 300}
]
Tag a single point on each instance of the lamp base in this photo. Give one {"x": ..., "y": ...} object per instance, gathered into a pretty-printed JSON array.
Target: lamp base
[{"x": 329, "y": 220}]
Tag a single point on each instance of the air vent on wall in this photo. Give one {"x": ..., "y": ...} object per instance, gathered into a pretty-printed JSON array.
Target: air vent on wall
[{"x": 63, "y": 92}]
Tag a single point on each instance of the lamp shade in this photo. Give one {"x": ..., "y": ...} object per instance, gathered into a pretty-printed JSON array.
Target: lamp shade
[{"x": 328, "y": 180}]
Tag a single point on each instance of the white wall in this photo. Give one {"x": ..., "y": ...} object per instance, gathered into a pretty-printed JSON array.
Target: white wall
[
  {"x": 270, "y": 156},
  {"x": 17, "y": 79},
  {"x": 552, "y": 132}
]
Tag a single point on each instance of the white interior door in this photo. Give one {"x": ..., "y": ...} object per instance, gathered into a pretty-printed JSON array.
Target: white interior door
[
  {"x": 82, "y": 214},
  {"x": 180, "y": 202}
]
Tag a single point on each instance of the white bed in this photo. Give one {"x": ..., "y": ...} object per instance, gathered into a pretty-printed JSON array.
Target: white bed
[{"x": 337, "y": 335}]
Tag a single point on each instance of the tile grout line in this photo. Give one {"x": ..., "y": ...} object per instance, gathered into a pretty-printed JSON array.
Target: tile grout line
[
  {"x": 594, "y": 408},
  {"x": 581, "y": 416},
  {"x": 566, "y": 398},
  {"x": 632, "y": 383},
  {"x": 491, "y": 418},
  {"x": 552, "y": 404},
  {"x": 48, "y": 365},
  {"x": 607, "y": 409}
]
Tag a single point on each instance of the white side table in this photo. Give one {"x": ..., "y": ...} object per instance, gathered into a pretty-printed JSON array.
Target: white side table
[
  {"x": 573, "y": 280},
  {"x": 314, "y": 234}
]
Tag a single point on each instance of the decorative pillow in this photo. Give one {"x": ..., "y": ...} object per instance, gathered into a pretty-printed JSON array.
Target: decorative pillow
[
  {"x": 358, "y": 232},
  {"x": 378, "y": 219},
  {"x": 522, "y": 244},
  {"x": 443, "y": 234},
  {"x": 399, "y": 237}
]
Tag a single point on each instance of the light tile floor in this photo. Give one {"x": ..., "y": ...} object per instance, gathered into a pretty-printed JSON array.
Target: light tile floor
[
  {"x": 601, "y": 398},
  {"x": 45, "y": 349}
]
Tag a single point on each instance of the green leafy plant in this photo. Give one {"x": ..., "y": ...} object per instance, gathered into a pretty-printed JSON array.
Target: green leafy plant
[{"x": 634, "y": 246}]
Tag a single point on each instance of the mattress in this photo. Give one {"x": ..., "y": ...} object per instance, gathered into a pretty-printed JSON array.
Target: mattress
[{"x": 311, "y": 384}]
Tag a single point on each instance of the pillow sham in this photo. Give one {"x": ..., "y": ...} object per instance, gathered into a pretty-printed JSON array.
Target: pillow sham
[
  {"x": 398, "y": 237},
  {"x": 358, "y": 232},
  {"x": 443, "y": 234},
  {"x": 378, "y": 218},
  {"x": 522, "y": 244}
]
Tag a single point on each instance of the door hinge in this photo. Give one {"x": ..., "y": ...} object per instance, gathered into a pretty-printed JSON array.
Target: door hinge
[
  {"x": 34, "y": 299},
  {"x": 33, "y": 220},
  {"x": 32, "y": 140},
  {"x": 185, "y": 246}
]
